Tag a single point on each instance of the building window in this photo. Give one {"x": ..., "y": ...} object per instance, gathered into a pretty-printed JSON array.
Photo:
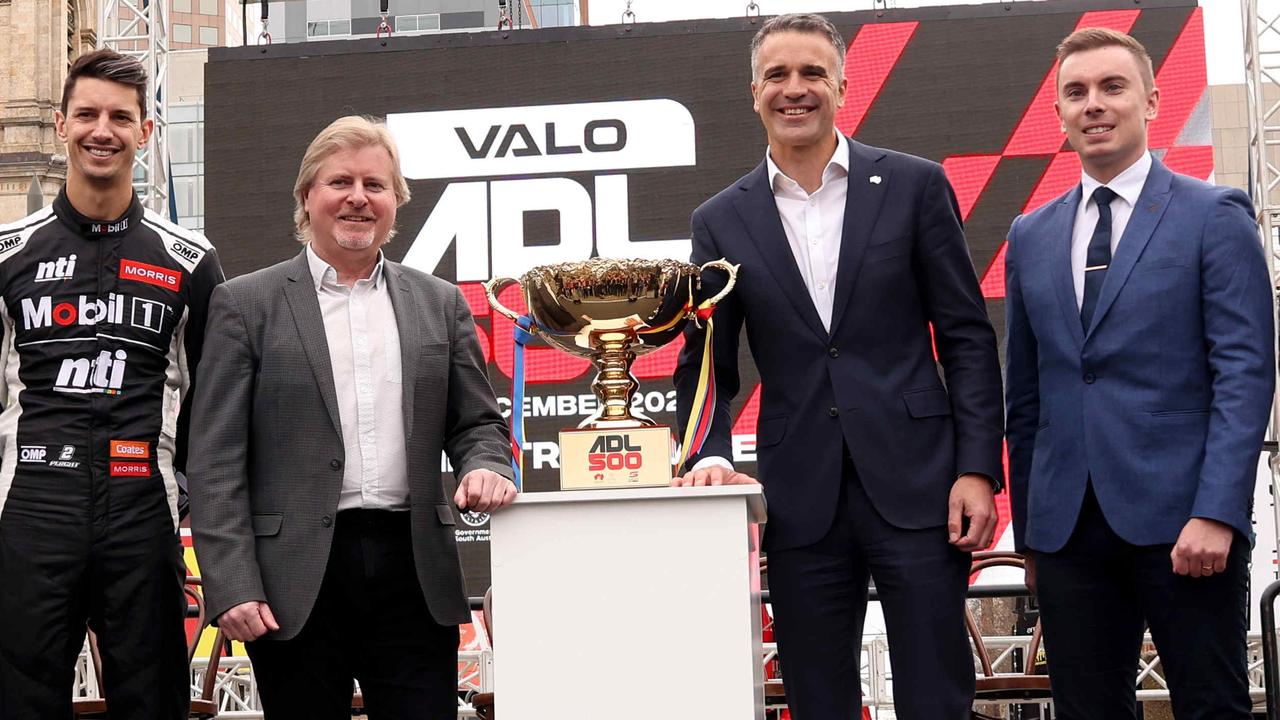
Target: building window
[
  {"x": 182, "y": 6},
  {"x": 186, "y": 153},
  {"x": 208, "y": 35},
  {"x": 328, "y": 28},
  {"x": 181, "y": 33},
  {"x": 417, "y": 23},
  {"x": 208, "y": 7},
  {"x": 553, "y": 13}
]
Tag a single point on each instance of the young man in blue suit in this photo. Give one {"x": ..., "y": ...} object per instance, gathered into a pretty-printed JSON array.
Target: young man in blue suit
[
  {"x": 873, "y": 466},
  {"x": 1140, "y": 376}
]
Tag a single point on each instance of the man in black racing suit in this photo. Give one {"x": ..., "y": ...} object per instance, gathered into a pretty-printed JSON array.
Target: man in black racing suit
[{"x": 102, "y": 312}]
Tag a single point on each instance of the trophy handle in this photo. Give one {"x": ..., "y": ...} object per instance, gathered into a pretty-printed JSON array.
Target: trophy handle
[
  {"x": 728, "y": 267},
  {"x": 491, "y": 290}
]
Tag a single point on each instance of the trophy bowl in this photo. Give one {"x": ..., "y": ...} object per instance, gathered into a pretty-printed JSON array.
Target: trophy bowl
[{"x": 611, "y": 311}]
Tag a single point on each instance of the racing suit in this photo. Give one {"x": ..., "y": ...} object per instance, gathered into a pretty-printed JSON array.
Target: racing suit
[{"x": 102, "y": 325}]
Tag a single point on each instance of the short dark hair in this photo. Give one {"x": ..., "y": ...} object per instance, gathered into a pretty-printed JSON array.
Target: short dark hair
[
  {"x": 800, "y": 22},
  {"x": 108, "y": 65},
  {"x": 1092, "y": 38}
]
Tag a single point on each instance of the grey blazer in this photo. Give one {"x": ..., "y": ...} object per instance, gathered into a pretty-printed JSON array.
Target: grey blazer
[{"x": 265, "y": 467}]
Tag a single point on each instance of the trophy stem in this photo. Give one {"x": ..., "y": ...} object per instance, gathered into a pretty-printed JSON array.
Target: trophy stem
[{"x": 614, "y": 384}]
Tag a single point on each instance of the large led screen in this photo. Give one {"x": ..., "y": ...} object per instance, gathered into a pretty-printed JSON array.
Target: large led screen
[{"x": 532, "y": 147}]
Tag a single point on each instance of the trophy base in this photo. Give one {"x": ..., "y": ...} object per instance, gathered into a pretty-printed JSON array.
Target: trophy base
[{"x": 600, "y": 458}]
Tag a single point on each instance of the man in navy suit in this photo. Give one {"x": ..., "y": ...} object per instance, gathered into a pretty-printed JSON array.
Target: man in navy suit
[
  {"x": 1140, "y": 376},
  {"x": 872, "y": 465}
]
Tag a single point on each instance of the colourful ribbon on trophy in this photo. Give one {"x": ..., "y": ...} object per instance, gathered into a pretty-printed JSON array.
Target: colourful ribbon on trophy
[
  {"x": 655, "y": 329},
  {"x": 521, "y": 335},
  {"x": 704, "y": 398}
]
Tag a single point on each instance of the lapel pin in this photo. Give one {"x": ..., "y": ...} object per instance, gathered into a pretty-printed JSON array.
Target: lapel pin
[{"x": 875, "y": 179}]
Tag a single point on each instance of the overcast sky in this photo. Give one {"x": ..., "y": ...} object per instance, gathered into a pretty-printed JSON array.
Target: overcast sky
[{"x": 1224, "y": 44}]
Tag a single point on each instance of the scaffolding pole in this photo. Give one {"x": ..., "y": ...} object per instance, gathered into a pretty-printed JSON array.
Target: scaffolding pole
[
  {"x": 1261, "y": 25},
  {"x": 140, "y": 28}
]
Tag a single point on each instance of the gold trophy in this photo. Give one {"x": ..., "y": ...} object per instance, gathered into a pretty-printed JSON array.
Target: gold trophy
[{"x": 611, "y": 311}]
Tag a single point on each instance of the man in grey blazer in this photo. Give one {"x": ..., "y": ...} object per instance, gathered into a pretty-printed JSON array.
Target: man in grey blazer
[{"x": 330, "y": 386}]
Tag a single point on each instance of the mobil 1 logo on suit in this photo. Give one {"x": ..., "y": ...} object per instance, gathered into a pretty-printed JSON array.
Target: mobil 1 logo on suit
[{"x": 88, "y": 310}]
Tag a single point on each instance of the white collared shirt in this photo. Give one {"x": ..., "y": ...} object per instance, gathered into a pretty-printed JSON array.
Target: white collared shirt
[
  {"x": 813, "y": 224},
  {"x": 364, "y": 350},
  {"x": 1127, "y": 186}
]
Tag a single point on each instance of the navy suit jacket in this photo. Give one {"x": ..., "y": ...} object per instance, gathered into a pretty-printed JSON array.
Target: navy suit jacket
[
  {"x": 1163, "y": 402},
  {"x": 871, "y": 383}
]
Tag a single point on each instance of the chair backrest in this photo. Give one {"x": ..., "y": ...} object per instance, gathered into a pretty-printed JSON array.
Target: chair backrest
[
  {"x": 192, "y": 589},
  {"x": 95, "y": 656},
  {"x": 483, "y": 703},
  {"x": 487, "y": 612},
  {"x": 211, "y": 670},
  {"x": 983, "y": 561}
]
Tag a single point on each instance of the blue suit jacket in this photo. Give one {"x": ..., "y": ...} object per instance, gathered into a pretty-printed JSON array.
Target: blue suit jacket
[
  {"x": 871, "y": 383},
  {"x": 1164, "y": 400}
]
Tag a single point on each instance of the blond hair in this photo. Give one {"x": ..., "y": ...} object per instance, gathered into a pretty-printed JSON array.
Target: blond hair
[
  {"x": 1092, "y": 38},
  {"x": 352, "y": 132}
]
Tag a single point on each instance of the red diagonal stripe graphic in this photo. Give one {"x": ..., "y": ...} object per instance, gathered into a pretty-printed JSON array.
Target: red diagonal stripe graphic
[
  {"x": 969, "y": 175},
  {"x": 746, "y": 422},
  {"x": 1182, "y": 81},
  {"x": 1193, "y": 160},
  {"x": 867, "y": 64},
  {"x": 1061, "y": 175},
  {"x": 993, "y": 279},
  {"x": 1039, "y": 132}
]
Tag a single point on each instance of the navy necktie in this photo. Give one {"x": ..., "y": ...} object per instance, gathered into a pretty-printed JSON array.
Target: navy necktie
[{"x": 1099, "y": 256}]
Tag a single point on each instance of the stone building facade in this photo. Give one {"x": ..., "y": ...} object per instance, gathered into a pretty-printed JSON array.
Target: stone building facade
[{"x": 38, "y": 41}]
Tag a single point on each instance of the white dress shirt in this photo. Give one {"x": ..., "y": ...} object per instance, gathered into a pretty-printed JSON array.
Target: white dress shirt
[
  {"x": 1127, "y": 186},
  {"x": 813, "y": 223},
  {"x": 364, "y": 350}
]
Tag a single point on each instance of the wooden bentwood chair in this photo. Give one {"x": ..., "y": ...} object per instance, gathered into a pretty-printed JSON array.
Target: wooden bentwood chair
[
  {"x": 202, "y": 707},
  {"x": 993, "y": 686},
  {"x": 483, "y": 702}
]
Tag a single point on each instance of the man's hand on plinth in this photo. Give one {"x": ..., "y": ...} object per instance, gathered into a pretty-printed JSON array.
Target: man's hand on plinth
[{"x": 713, "y": 475}]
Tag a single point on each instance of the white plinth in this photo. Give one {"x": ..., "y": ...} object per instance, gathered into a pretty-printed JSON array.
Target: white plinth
[{"x": 628, "y": 605}]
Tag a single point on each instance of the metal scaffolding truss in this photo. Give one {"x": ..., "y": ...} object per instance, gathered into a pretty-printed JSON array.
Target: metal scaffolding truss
[
  {"x": 1261, "y": 24},
  {"x": 235, "y": 691},
  {"x": 237, "y": 698},
  {"x": 141, "y": 28}
]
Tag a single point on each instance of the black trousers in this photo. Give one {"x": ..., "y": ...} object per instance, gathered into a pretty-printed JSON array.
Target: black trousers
[
  {"x": 1097, "y": 593},
  {"x": 125, "y": 582},
  {"x": 371, "y": 623},
  {"x": 819, "y": 595}
]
